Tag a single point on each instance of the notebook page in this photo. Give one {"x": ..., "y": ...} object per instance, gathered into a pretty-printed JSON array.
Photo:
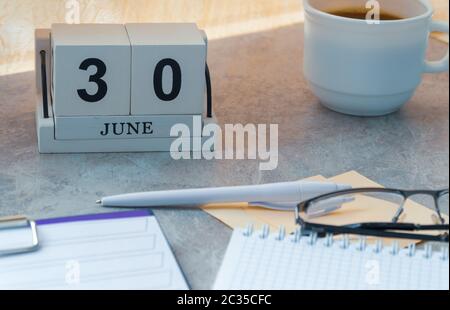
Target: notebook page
[
  {"x": 252, "y": 262},
  {"x": 123, "y": 253}
]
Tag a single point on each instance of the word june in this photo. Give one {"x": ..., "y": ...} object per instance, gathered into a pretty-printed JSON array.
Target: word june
[{"x": 119, "y": 129}]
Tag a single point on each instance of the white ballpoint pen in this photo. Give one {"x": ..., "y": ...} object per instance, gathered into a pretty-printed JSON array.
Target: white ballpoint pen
[{"x": 278, "y": 196}]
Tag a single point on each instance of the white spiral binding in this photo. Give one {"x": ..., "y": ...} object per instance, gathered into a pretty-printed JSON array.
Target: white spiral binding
[{"x": 344, "y": 243}]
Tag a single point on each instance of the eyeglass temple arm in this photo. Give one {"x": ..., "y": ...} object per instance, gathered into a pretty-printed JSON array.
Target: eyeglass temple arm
[
  {"x": 397, "y": 226},
  {"x": 383, "y": 233}
]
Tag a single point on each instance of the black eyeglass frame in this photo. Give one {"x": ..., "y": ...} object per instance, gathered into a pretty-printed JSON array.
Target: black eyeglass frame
[{"x": 377, "y": 229}]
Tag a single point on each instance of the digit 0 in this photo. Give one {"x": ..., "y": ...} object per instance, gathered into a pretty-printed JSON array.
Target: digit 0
[
  {"x": 158, "y": 79},
  {"x": 96, "y": 78}
]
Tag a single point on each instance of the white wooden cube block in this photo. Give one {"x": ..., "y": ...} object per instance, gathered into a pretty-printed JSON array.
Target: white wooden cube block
[
  {"x": 91, "y": 70},
  {"x": 168, "y": 68}
]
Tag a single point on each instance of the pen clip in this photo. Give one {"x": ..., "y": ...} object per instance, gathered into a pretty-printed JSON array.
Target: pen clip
[
  {"x": 278, "y": 206},
  {"x": 329, "y": 207},
  {"x": 290, "y": 206}
]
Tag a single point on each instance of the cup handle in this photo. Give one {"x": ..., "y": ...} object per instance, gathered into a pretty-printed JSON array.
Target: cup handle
[{"x": 440, "y": 65}]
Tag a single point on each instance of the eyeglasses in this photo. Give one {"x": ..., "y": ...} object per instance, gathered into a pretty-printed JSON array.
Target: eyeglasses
[{"x": 309, "y": 214}]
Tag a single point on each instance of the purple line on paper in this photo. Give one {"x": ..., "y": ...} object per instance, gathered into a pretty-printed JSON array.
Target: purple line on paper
[{"x": 95, "y": 217}]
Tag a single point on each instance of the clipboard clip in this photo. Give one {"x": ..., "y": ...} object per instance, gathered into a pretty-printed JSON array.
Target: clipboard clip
[{"x": 20, "y": 222}]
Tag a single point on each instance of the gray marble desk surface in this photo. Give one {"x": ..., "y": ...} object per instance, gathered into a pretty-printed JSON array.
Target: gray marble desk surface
[{"x": 256, "y": 79}]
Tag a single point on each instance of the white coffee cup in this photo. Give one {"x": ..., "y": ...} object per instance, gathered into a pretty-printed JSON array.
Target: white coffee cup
[{"x": 366, "y": 67}]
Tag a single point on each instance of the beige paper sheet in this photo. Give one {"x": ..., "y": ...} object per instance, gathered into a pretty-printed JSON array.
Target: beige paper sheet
[{"x": 362, "y": 210}]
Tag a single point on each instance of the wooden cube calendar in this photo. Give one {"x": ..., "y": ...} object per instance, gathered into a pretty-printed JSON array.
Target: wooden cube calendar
[{"x": 119, "y": 88}]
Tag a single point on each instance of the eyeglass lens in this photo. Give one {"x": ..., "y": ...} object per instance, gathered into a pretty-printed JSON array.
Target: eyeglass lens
[{"x": 374, "y": 207}]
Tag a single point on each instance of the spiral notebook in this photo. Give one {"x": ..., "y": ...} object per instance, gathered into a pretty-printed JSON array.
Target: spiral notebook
[{"x": 259, "y": 260}]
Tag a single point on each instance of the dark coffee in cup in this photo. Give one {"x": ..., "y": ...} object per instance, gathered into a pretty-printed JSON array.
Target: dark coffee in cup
[{"x": 361, "y": 13}]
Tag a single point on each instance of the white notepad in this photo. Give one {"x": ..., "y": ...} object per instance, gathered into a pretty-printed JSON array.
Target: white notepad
[
  {"x": 279, "y": 262},
  {"x": 124, "y": 250}
]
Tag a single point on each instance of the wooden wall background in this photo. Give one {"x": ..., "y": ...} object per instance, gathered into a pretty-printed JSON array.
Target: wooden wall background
[{"x": 220, "y": 18}]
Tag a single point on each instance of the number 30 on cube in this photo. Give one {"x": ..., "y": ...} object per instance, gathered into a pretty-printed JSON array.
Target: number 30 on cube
[{"x": 133, "y": 69}]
